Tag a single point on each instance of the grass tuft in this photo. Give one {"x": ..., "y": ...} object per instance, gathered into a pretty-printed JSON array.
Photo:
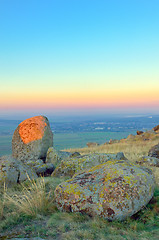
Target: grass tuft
[{"x": 34, "y": 199}]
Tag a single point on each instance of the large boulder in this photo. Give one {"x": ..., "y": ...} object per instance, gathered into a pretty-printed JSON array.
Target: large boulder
[
  {"x": 13, "y": 171},
  {"x": 71, "y": 165},
  {"x": 113, "y": 190},
  {"x": 154, "y": 151},
  {"x": 31, "y": 139}
]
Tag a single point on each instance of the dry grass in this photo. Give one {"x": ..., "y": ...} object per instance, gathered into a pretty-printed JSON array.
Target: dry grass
[
  {"x": 1, "y": 209},
  {"x": 33, "y": 200},
  {"x": 37, "y": 198},
  {"x": 132, "y": 150},
  {"x": 2, "y": 203}
]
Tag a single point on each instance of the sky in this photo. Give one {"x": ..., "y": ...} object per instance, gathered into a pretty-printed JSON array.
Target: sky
[{"x": 79, "y": 57}]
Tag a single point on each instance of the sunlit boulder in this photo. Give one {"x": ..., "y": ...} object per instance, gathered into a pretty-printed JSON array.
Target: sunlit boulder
[{"x": 31, "y": 139}]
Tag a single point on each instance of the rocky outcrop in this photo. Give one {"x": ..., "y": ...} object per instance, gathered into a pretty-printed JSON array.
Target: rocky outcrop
[
  {"x": 75, "y": 154},
  {"x": 55, "y": 157},
  {"x": 71, "y": 165},
  {"x": 151, "y": 161},
  {"x": 156, "y": 128},
  {"x": 41, "y": 168},
  {"x": 113, "y": 190},
  {"x": 13, "y": 171},
  {"x": 31, "y": 139},
  {"x": 154, "y": 151}
]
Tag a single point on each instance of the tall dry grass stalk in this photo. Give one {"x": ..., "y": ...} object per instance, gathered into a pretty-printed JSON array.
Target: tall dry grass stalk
[{"x": 33, "y": 200}]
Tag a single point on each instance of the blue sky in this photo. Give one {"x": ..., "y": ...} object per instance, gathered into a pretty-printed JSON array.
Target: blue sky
[{"x": 73, "y": 49}]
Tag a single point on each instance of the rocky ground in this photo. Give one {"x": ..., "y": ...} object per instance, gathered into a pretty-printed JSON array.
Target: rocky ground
[{"x": 81, "y": 194}]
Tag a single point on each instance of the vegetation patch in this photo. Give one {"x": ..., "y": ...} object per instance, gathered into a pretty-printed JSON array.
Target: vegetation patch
[{"x": 50, "y": 223}]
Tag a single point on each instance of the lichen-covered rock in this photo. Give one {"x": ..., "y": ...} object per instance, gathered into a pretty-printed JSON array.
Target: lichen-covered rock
[
  {"x": 120, "y": 156},
  {"x": 71, "y": 165},
  {"x": 32, "y": 138},
  {"x": 75, "y": 154},
  {"x": 13, "y": 171},
  {"x": 113, "y": 190},
  {"x": 53, "y": 156},
  {"x": 41, "y": 168},
  {"x": 152, "y": 161},
  {"x": 154, "y": 151}
]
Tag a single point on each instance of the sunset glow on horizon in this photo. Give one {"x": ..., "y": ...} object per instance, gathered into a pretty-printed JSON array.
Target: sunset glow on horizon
[{"x": 79, "y": 55}]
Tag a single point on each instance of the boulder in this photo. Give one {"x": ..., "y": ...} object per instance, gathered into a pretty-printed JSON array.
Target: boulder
[
  {"x": 31, "y": 139},
  {"x": 13, "y": 171},
  {"x": 139, "y": 132},
  {"x": 92, "y": 144},
  {"x": 52, "y": 156},
  {"x": 120, "y": 156},
  {"x": 75, "y": 154},
  {"x": 154, "y": 151},
  {"x": 113, "y": 190},
  {"x": 41, "y": 168},
  {"x": 55, "y": 157},
  {"x": 72, "y": 165},
  {"x": 156, "y": 128},
  {"x": 151, "y": 161}
]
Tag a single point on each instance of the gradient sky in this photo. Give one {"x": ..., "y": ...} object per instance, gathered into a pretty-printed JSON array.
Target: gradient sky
[{"x": 79, "y": 56}]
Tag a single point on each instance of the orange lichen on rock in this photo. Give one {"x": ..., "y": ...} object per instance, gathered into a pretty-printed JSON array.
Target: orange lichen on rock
[{"x": 32, "y": 129}]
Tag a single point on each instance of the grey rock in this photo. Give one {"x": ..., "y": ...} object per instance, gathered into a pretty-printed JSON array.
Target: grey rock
[
  {"x": 151, "y": 161},
  {"x": 120, "y": 156},
  {"x": 154, "y": 151},
  {"x": 75, "y": 154},
  {"x": 55, "y": 157},
  {"x": 41, "y": 168},
  {"x": 13, "y": 171}
]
